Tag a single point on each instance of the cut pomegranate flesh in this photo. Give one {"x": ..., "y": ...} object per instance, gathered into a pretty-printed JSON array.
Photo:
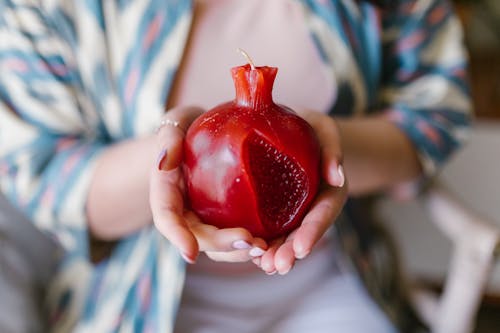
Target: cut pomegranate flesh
[{"x": 279, "y": 182}]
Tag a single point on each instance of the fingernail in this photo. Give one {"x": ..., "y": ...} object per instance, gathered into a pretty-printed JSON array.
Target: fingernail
[
  {"x": 256, "y": 261},
  {"x": 187, "y": 259},
  {"x": 241, "y": 245},
  {"x": 256, "y": 252},
  {"x": 338, "y": 176},
  {"x": 340, "y": 171},
  {"x": 162, "y": 159},
  {"x": 301, "y": 255},
  {"x": 271, "y": 273},
  {"x": 284, "y": 271}
]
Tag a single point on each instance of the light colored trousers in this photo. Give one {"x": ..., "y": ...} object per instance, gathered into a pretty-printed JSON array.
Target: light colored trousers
[{"x": 320, "y": 294}]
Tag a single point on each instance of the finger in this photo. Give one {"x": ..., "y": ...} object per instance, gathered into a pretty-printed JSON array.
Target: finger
[
  {"x": 211, "y": 238},
  {"x": 257, "y": 249},
  {"x": 284, "y": 258},
  {"x": 171, "y": 135},
  {"x": 259, "y": 246},
  {"x": 324, "y": 211},
  {"x": 232, "y": 256},
  {"x": 328, "y": 134},
  {"x": 256, "y": 261},
  {"x": 166, "y": 202},
  {"x": 267, "y": 260},
  {"x": 331, "y": 153}
]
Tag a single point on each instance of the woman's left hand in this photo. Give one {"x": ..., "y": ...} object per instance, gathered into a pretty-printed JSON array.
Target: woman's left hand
[{"x": 282, "y": 253}]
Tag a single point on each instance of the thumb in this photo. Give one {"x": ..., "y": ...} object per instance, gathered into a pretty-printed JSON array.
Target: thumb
[
  {"x": 328, "y": 134},
  {"x": 171, "y": 132},
  {"x": 333, "y": 171}
]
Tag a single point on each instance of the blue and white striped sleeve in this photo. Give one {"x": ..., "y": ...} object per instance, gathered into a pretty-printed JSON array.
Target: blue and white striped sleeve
[
  {"x": 47, "y": 147},
  {"x": 424, "y": 83}
]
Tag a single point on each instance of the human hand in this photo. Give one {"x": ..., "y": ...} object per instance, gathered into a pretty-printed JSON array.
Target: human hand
[
  {"x": 283, "y": 252},
  {"x": 171, "y": 216}
]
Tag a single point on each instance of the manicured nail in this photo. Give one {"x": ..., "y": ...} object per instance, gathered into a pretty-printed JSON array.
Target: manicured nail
[
  {"x": 162, "y": 159},
  {"x": 284, "y": 271},
  {"x": 241, "y": 245},
  {"x": 256, "y": 252},
  {"x": 340, "y": 171},
  {"x": 338, "y": 176},
  {"x": 301, "y": 255},
  {"x": 187, "y": 259}
]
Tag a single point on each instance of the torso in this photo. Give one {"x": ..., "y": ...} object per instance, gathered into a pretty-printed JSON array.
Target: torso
[
  {"x": 274, "y": 33},
  {"x": 204, "y": 79}
]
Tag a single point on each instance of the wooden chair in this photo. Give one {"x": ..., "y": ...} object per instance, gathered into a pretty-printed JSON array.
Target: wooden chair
[
  {"x": 450, "y": 234},
  {"x": 476, "y": 246}
]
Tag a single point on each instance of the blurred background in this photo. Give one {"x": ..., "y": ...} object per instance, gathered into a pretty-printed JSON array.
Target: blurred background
[{"x": 473, "y": 175}]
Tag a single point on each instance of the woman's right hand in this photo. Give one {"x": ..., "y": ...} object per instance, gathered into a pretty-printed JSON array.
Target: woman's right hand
[{"x": 167, "y": 200}]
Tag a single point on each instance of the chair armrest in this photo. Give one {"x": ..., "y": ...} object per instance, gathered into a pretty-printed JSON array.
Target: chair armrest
[{"x": 476, "y": 242}]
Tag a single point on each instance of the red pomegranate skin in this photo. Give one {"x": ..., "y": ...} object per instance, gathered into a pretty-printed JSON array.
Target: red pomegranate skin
[{"x": 251, "y": 163}]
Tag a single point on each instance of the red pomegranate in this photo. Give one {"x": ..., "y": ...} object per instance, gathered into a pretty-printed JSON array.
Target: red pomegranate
[{"x": 251, "y": 163}]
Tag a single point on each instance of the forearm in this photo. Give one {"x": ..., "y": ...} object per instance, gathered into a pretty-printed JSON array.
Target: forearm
[
  {"x": 118, "y": 199},
  {"x": 377, "y": 155}
]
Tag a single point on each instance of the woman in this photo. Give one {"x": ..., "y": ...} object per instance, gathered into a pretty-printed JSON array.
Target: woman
[{"x": 84, "y": 85}]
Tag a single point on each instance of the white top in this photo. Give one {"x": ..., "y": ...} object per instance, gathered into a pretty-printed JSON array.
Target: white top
[{"x": 273, "y": 33}]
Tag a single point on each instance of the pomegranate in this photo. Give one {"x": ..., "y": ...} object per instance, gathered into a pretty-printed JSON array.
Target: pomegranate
[{"x": 251, "y": 163}]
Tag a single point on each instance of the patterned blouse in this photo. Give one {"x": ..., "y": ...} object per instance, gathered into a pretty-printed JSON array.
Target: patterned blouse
[{"x": 76, "y": 76}]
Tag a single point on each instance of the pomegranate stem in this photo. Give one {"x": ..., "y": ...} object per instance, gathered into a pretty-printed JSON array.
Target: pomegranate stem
[{"x": 252, "y": 66}]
